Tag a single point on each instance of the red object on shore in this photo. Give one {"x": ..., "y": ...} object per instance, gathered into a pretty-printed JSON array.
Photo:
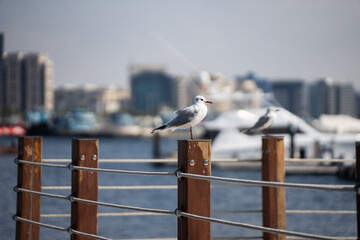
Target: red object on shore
[{"x": 12, "y": 131}]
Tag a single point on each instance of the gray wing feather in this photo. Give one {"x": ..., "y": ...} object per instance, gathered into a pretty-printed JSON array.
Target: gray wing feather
[
  {"x": 260, "y": 122},
  {"x": 184, "y": 116}
]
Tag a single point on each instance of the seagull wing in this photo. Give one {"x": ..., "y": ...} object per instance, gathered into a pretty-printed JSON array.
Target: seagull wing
[
  {"x": 184, "y": 116},
  {"x": 261, "y": 122}
]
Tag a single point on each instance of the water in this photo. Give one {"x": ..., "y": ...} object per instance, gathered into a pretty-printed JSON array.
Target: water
[{"x": 166, "y": 226}]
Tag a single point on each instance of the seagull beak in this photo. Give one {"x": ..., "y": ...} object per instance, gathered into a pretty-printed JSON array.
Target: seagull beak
[{"x": 208, "y": 102}]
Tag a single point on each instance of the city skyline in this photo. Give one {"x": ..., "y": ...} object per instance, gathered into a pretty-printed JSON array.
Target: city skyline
[{"x": 95, "y": 42}]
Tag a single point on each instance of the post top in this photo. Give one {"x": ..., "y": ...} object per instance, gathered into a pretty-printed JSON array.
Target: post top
[
  {"x": 272, "y": 137},
  {"x": 194, "y": 140}
]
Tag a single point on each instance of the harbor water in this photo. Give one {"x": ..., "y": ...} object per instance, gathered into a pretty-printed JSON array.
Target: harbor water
[{"x": 135, "y": 227}]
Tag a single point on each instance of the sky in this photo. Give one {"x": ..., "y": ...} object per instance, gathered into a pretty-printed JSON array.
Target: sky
[{"x": 93, "y": 41}]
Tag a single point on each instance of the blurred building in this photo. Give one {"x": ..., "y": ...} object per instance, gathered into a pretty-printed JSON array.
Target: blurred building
[
  {"x": 2, "y": 88},
  {"x": 290, "y": 94},
  {"x": 101, "y": 100},
  {"x": 152, "y": 89},
  {"x": 327, "y": 97},
  {"x": 260, "y": 82},
  {"x": 27, "y": 82}
]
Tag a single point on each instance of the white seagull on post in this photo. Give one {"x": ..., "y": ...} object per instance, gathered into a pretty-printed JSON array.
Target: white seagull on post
[
  {"x": 187, "y": 117},
  {"x": 264, "y": 121}
]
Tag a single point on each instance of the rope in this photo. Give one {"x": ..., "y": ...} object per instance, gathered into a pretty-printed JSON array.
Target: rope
[
  {"x": 20, "y": 219},
  {"x": 254, "y": 227},
  {"x": 339, "y": 188},
  {"x": 167, "y": 212}
]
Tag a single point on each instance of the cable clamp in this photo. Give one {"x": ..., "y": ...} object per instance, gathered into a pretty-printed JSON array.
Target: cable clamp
[
  {"x": 177, "y": 212},
  {"x": 71, "y": 198},
  {"x": 71, "y": 166},
  {"x": 70, "y": 230},
  {"x": 178, "y": 174}
]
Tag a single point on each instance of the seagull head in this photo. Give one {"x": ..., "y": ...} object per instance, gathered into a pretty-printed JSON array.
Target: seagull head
[
  {"x": 200, "y": 99},
  {"x": 272, "y": 109}
]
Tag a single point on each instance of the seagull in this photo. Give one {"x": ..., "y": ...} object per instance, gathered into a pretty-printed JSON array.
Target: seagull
[
  {"x": 264, "y": 121},
  {"x": 187, "y": 117}
]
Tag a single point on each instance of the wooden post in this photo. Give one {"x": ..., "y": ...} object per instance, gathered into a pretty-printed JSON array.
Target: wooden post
[
  {"x": 194, "y": 196},
  {"x": 84, "y": 184},
  {"x": 29, "y": 177},
  {"x": 357, "y": 176},
  {"x": 273, "y": 198}
]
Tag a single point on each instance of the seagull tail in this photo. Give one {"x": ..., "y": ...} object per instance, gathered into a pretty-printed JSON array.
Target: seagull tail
[
  {"x": 245, "y": 130},
  {"x": 159, "y": 128}
]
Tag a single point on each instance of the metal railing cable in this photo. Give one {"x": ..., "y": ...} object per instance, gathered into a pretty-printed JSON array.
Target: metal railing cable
[
  {"x": 324, "y": 187},
  {"x": 127, "y": 214},
  {"x": 75, "y": 199},
  {"x": 174, "y": 160},
  {"x": 73, "y": 231},
  {"x": 17, "y": 161},
  {"x": 179, "y": 174},
  {"x": 178, "y": 213},
  {"x": 254, "y": 227},
  {"x": 20, "y": 219},
  {"x": 72, "y": 167},
  {"x": 143, "y": 187},
  {"x": 158, "y": 160},
  {"x": 17, "y": 189}
]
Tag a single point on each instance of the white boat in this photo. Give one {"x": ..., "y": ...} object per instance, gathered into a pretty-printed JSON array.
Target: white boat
[{"x": 229, "y": 142}]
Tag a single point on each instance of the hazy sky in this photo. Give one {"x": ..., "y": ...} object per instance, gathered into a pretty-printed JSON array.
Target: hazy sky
[{"x": 93, "y": 41}]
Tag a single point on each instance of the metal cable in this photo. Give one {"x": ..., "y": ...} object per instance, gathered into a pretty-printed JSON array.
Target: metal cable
[
  {"x": 320, "y": 212},
  {"x": 72, "y": 167},
  {"x": 162, "y": 160},
  {"x": 20, "y": 219},
  {"x": 167, "y": 212},
  {"x": 319, "y": 160},
  {"x": 339, "y": 188},
  {"x": 125, "y": 214},
  {"x": 73, "y": 231},
  {"x": 17, "y": 189},
  {"x": 153, "y": 187},
  {"x": 17, "y": 161},
  {"x": 254, "y": 227}
]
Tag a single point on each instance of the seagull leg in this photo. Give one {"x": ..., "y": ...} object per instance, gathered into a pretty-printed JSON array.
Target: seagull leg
[{"x": 191, "y": 133}]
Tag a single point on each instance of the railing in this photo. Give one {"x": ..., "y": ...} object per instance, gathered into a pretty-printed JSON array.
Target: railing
[{"x": 194, "y": 191}]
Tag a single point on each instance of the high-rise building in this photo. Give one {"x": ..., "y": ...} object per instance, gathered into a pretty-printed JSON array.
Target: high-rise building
[
  {"x": 291, "y": 95},
  {"x": 151, "y": 89},
  {"x": 327, "y": 97},
  {"x": 38, "y": 76},
  {"x": 28, "y": 82},
  {"x": 13, "y": 82},
  {"x": 2, "y": 90}
]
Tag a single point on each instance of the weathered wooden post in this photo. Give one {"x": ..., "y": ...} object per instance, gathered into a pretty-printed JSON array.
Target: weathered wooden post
[
  {"x": 357, "y": 176},
  {"x": 29, "y": 177},
  {"x": 273, "y": 198},
  {"x": 84, "y": 184},
  {"x": 194, "y": 196}
]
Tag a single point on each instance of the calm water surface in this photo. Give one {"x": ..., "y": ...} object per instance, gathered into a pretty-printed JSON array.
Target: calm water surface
[{"x": 166, "y": 226}]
